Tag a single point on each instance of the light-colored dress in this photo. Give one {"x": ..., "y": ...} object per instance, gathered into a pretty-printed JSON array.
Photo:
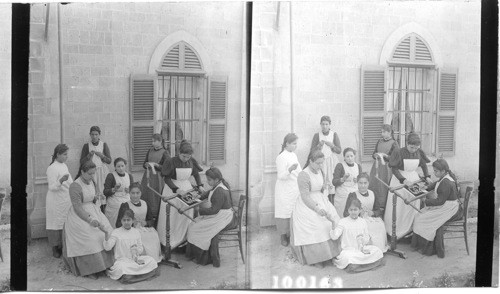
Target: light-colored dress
[
  {"x": 81, "y": 237},
  {"x": 114, "y": 202},
  {"x": 348, "y": 230},
  {"x": 376, "y": 227},
  {"x": 58, "y": 200},
  {"x": 101, "y": 170},
  {"x": 286, "y": 190},
  {"x": 201, "y": 232},
  {"x": 122, "y": 240},
  {"x": 149, "y": 236},
  {"x": 308, "y": 226},
  {"x": 331, "y": 159},
  {"x": 405, "y": 214},
  {"x": 431, "y": 218},
  {"x": 350, "y": 185},
  {"x": 178, "y": 223}
]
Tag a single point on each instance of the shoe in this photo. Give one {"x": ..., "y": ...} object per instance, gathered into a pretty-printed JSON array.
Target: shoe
[
  {"x": 92, "y": 276},
  {"x": 284, "y": 240},
  {"x": 55, "y": 252},
  {"x": 319, "y": 265}
]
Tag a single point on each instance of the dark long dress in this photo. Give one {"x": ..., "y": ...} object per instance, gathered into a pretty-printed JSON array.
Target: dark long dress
[
  {"x": 159, "y": 156},
  {"x": 384, "y": 171},
  {"x": 447, "y": 191},
  {"x": 221, "y": 199}
]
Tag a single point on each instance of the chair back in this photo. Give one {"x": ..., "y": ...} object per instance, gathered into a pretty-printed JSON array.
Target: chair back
[
  {"x": 241, "y": 206},
  {"x": 468, "y": 193}
]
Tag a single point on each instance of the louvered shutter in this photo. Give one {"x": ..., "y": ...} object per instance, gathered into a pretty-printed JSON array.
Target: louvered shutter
[
  {"x": 217, "y": 118},
  {"x": 447, "y": 112},
  {"x": 142, "y": 112},
  {"x": 372, "y": 108}
]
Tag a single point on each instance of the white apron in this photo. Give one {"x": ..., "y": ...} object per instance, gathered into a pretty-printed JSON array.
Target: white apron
[
  {"x": 178, "y": 223},
  {"x": 121, "y": 241},
  {"x": 286, "y": 190},
  {"x": 331, "y": 160},
  {"x": 58, "y": 201},
  {"x": 405, "y": 214},
  {"x": 201, "y": 232},
  {"x": 432, "y": 217},
  {"x": 101, "y": 171},
  {"x": 376, "y": 227},
  {"x": 347, "y": 230},
  {"x": 115, "y": 201},
  {"x": 149, "y": 236},
  {"x": 349, "y": 186},
  {"x": 308, "y": 226},
  {"x": 81, "y": 237}
]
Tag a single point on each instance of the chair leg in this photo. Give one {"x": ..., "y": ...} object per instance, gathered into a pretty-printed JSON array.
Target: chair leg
[
  {"x": 465, "y": 237},
  {"x": 241, "y": 247},
  {"x": 1, "y": 254}
]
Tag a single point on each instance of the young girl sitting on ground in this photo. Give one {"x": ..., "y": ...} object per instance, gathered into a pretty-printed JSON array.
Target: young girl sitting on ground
[
  {"x": 144, "y": 221},
  {"x": 130, "y": 266},
  {"x": 356, "y": 255}
]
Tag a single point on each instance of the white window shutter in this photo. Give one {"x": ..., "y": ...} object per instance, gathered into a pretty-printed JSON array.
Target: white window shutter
[
  {"x": 142, "y": 117},
  {"x": 447, "y": 112},
  {"x": 217, "y": 120},
  {"x": 373, "y": 93}
]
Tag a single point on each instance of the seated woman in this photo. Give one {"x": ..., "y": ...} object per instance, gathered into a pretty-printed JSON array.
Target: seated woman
[
  {"x": 370, "y": 211},
  {"x": 310, "y": 225},
  {"x": 344, "y": 179},
  {"x": 116, "y": 189},
  {"x": 356, "y": 255},
  {"x": 130, "y": 266},
  {"x": 427, "y": 226},
  {"x": 203, "y": 243},
  {"x": 144, "y": 222},
  {"x": 83, "y": 250}
]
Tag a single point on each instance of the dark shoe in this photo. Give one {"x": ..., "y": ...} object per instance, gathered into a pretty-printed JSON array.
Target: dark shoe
[
  {"x": 284, "y": 240},
  {"x": 55, "y": 252},
  {"x": 92, "y": 276}
]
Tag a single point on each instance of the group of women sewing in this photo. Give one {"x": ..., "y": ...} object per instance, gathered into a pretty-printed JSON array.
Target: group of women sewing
[
  {"x": 104, "y": 222},
  {"x": 333, "y": 211}
]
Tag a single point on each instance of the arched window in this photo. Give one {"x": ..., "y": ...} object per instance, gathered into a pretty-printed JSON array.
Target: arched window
[
  {"x": 413, "y": 95},
  {"x": 182, "y": 103}
]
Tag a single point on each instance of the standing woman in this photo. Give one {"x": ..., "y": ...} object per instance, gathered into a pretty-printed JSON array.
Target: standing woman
[
  {"x": 286, "y": 190},
  {"x": 98, "y": 152},
  {"x": 83, "y": 250},
  {"x": 203, "y": 243},
  {"x": 404, "y": 163},
  {"x": 344, "y": 179},
  {"x": 312, "y": 216},
  {"x": 427, "y": 227},
  {"x": 58, "y": 201},
  {"x": 329, "y": 143},
  {"x": 176, "y": 173},
  {"x": 155, "y": 158},
  {"x": 383, "y": 150},
  {"x": 116, "y": 189}
]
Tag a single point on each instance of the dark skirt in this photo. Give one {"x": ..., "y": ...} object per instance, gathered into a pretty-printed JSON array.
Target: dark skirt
[
  {"x": 357, "y": 268},
  {"x": 130, "y": 279},
  {"x": 205, "y": 257},
  {"x": 429, "y": 247},
  {"x": 152, "y": 200},
  {"x": 380, "y": 191},
  {"x": 87, "y": 264},
  {"x": 437, "y": 245},
  {"x": 55, "y": 238}
]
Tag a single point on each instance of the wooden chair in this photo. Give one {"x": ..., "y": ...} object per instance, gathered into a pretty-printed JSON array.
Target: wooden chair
[
  {"x": 460, "y": 225},
  {"x": 2, "y": 197},
  {"x": 234, "y": 235}
]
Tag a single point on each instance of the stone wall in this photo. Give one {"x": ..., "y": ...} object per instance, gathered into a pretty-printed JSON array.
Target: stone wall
[
  {"x": 102, "y": 45},
  {"x": 330, "y": 44}
]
